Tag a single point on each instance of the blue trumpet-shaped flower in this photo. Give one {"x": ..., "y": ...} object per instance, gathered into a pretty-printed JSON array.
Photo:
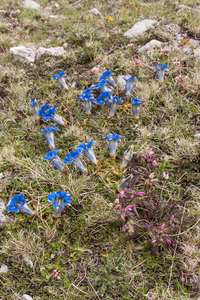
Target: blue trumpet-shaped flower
[
  {"x": 161, "y": 71},
  {"x": 36, "y": 110},
  {"x": 128, "y": 154},
  {"x": 18, "y": 204},
  {"x": 106, "y": 75},
  {"x": 114, "y": 105},
  {"x": 125, "y": 182},
  {"x": 129, "y": 84},
  {"x": 61, "y": 79},
  {"x": 113, "y": 143},
  {"x": 87, "y": 103},
  {"x": 72, "y": 158},
  {"x": 136, "y": 107},
  {"x": 88, "y": 151},
  {"x": 87, "y": 92},
  {"x": 44, "y": 109},
  {"x": 104, "y": 98},
  {"x": 59, "y": 200},
  {"x": 55, "y": 160},
  {"x": 50, "y": 114},
  {"x": 100, "y": 86},
  {"x": 49, "y": 134}
]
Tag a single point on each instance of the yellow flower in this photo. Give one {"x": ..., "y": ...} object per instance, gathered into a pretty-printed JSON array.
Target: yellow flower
[{"x": 111, "y": 18}]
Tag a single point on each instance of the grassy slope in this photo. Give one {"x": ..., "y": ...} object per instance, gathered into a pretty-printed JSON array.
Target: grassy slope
[{"x": 95, "y": 259}]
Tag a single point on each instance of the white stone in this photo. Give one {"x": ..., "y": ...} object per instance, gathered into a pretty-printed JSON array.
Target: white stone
[
  {"x": 3, "y": 269},
  {"x": 140, "y": 27},
  {"x": 53, "y": 17},
  {"x": 27, "y": 260},
  {"x": 121, "y": 82},
  {"x": 187, "y": 49},
  {"x": 184, "y": 7},
  {"x": 195, "y": 43},
  {"x": 94, "y": 11},
  {"x": 1, "y": 175},
  {"x": 2, "y": 208},
  {"x": 65, "y": 46},
  {"x": 150, "y": 45},
  {"x": 73, "y": 85},
  {"x": 54, "y": 51},
  {"x": 197, "y": 136},
  {"x": 27, "y": 297},
  {"x": 31, "y": 4},
  {"x": 2, "y": 218},
  {"x": 22, "y": 53},
  {"x": 197, "y": 52},
  {"x": 56, "y": 5},
  {"x": 2, "y": 205}
]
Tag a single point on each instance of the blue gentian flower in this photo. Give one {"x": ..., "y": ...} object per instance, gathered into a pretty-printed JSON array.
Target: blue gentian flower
[
  {"x": 59, "y": 200},
  {"x": 72, "y": 158},
  {"x": 161, "y": 71},
  {"x": 88, "y": 151},
  {"x": 18, "y": 204},
  {"x": 113, "y": 143},
  {"x": 100, "y": 86},
  {"x": 87, "y": 103},
  {"x": 128, "y": 154},
  {"x": 114, "y": 105},
  {"x": 44, "y": 109},
  {"x": 129, "y": 84},
  {"x": 106, "y": 75},
  {"x": 136, "y": 107},
  {"x": 61, "y": 79},
  {"x": 87, "y": 92},
  {"x": 49, "y": 134},
  {"x": 55, "y": 160},
  {"x": 50, "y": 114},
  {"x": 104, "y": 98},
  {"x": 35, "y": 109},
  {"x": 125, "y": 182}
]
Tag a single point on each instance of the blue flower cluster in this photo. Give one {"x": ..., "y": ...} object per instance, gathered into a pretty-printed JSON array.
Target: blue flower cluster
[
  {"x": 47, "y": 113},
  {"x": 58, "y": 199},
  {"x": 105, "y": 97}
]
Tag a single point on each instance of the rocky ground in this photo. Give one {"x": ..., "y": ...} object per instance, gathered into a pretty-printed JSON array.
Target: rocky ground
[{"x": 107, "y": 244}]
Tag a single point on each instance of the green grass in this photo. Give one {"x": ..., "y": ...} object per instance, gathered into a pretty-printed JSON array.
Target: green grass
[{"x": 88, "y": 244}]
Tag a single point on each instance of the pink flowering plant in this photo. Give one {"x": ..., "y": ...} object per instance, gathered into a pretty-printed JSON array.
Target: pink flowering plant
[{"x": 150, "y": 158}]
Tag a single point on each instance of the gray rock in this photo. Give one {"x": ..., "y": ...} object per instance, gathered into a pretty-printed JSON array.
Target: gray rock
[
  {"x": 73, "y": 85},
  {"x": 1, "y": 175},
  {"x": 197, "y": 52},
  {"x": 65, "y": 46},
  {"x": 2, "y": 219},
  {"x": 140, "y": 27},
  {"x": 195, "y": 43},
  {"x": 94, "y": 11},
  {"x": 53, "y": 17},
  {"x": 121, "y": 82},
  {"x": 53, "y": 51},
  {"x": 3, "y": 269},
  {"x": 2, "y": 205},
  {"x": 197, "y": 136},
  {"x": 27, "y": 297},
  {"x": 31, "y": 4},
  {"x": 2, "y": 209},
  {"x": 187, "y": 49},
  {"x": 27, "y": 260},
  {"x": 184, "y": 7},
  {"x": 22, "y": 53},
  {"x": 150, "y": 45}
]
